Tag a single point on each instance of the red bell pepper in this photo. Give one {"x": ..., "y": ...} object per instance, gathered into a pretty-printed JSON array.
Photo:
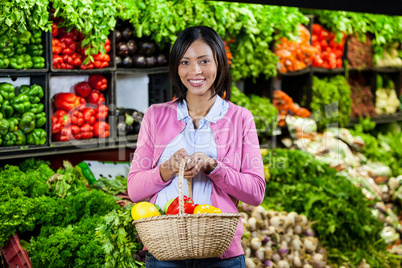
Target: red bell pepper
[
  {"x": 77, "y": 118},
  {"x": 68, "y": 45},
  {"x": 73, "y": 34},
  {"x": 101, "y": 129},
  {"x": 76, "y": 132},
  {"x": 55, "y": 31},
  {"x": 97, "y": 81},
  {"x": 76, "y": 58},
  {"x": 56, "y": 46},
  {"x": 101, "y": 60},
  {"x": 66, "y": 101},
  {"x": 68, "y": 62},
  {"x": 59, "y": 120},
  {"x": 87, "y": 131},
  {"x": 89, "y": 115},
  {"x": 83, "y": 103},
  {"x": 89, "y": 65},
  {"x": 188, "y": 206},
  {"x": 83, "y": 89},
  {"x": 107, "y": 45},
  {"x": 96, "y": 97},
  {"x": 101, "y": 112},
  {"x": 65, "y": 134},
  {"x": 57, "y": 62}
]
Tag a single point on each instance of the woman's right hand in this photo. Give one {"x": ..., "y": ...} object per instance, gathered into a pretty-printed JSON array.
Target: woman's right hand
[{"x": 171, "y": 167}]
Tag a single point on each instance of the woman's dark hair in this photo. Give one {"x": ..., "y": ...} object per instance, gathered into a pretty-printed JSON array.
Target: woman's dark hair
[{"x": 207, "y": 35}]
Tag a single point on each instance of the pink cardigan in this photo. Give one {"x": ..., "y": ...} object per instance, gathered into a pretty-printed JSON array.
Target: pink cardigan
[{"x": 240, "y": 172}]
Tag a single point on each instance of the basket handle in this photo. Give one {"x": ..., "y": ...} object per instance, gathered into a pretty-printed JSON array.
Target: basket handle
[{"x": 181, "y": 191}]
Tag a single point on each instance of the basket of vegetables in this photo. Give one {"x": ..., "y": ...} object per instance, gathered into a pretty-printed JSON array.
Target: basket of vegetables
[{"x": 187, "y": 236}]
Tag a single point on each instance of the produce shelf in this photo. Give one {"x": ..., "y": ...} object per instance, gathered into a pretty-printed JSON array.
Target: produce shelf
[
  {"x": 153, "y": 70},
  {"x": 379, "y": 119},
  {"x": 294, "y": 73},
  {"x": 328, "y": 71}
]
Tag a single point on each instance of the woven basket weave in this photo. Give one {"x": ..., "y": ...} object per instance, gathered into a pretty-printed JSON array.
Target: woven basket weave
[{"x": 187, "y": 236}]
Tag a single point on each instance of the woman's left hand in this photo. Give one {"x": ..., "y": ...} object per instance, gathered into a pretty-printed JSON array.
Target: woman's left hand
[{"x": 197, "y": 162}]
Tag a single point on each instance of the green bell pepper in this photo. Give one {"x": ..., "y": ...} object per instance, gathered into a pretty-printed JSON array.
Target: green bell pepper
[
  {"x": 6, "y": 109},
  {"x": 20, "y": 49},
  {"x": 6, "y": 45},
  {"x": 38, "y": 62},
  {"x": 27, "y": 122},
  {"x": 35, "y": 92},
  {"x": 35, "y": 50},
  {"x": 4, "y": 126},
  {"x": 7, "y": 91},
  {"x": 40, "y": 119},
  {"x": 24, "y": 38},
  {"x": 23, "y": 61},
  {"x": 37, "y": 108},
  {"x": 21, "y": 103},
  {"x": 21, "y": 137},
  {"x": 9, "y": 139},
  {"x": 36, "y": 37},
  {"x": 13, "y": 121},
  {"x": 4, "y": 61},
  {"x": 37, "y": 137}
]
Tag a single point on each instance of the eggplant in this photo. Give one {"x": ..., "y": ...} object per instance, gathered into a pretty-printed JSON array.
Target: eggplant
[
  {"x": 146, "y": 48},
  {"x": 132, "y": 46},
  {"x": 127, "y": 62},
  {"x": 161, "y": 59},
  {"x": 122, "y": 49},
  {"x": 151, "y": 61},
  {"x": 118, "y": 61},
  {"x": 126, "y": 33},
  {"x": 128, "y": 121},
  {"x": 139, "y": 61},
  {"x": 117, "y": 35}
]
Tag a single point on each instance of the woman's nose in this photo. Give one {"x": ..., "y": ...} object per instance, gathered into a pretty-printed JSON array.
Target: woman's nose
[{"x": 196, "y": 69}]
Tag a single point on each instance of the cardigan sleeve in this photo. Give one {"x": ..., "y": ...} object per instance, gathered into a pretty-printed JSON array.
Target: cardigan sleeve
[
  {"x": 144, "y": 180},
  {"x": 246, "y": 183}
]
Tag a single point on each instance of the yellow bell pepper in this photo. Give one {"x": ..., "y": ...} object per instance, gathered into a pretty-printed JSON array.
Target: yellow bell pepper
[{"x": 206, "y": 209}]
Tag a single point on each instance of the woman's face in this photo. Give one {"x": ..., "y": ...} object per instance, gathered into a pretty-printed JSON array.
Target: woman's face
[{"x": 197, "y": 69}]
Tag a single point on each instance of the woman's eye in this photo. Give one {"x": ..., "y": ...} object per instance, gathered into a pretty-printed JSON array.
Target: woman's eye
[
  {"x": 205, "y": 61},
  {"x": 184, "y": 62}
]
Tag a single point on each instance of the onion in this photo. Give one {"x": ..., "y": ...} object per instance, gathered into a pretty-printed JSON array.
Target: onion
[
  {"x": 292, "y": 216},
  {"x": 252, "y": 223},
  {"x": 276, "y": 221},
  {"x": 310, "y": 244},
  {"x": 297, "y": 262},
  {"x": 246, "y": 207},
  {"x": 268, "y": 263},
  {"x": 260, "y": 254},
  {"x": 298, "y": 229},
  {"x": 296, "y": 244},
  {"x": 283, "y": 264},
  {"x": 301, "y": 219},
  {"x": 244, "y": 217},
  {"x": 247, "y": 252},
  {"x": 254, "y": 234},
  {"x": 283, "y": 250},
  {"x": 268, "y": 252},
  {"x": 309, "y": 232},
  {"x": 318, "y": 260},
  {"x": 305, "y": 266},
  {"x": 276, "y": 257},
  {"x": 250, "y": 263},
  {"x": 255, "y": 243},
  {"x": 259, "y": 213},
  {"x": 265, "y": 239}
]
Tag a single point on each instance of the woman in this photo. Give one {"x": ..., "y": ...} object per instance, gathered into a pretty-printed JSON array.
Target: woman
[{"x": 217, "y": 138}]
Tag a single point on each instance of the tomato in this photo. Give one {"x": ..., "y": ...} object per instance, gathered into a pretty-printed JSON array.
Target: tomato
[
  {"x": 144, "y": 210},
  {"x": 317, "y": 29}
]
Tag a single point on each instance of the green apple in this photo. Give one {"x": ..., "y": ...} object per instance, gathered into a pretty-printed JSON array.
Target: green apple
[{"x": 168, "y": 204}]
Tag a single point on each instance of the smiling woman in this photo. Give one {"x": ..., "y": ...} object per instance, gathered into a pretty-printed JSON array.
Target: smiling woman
[{"x": 217, "y": 139}]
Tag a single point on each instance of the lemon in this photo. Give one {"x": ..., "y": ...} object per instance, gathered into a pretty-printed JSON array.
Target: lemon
[{"x": 144, "y": 210}]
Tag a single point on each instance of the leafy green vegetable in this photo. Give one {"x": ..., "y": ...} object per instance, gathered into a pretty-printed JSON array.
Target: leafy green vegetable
[
  {"x": 111, "y": 186},
  {"x": 264, "y": 112},
  {"x": 344, "y": 221},
  {"x": 120, "y": 239},
  {"x": 331, "y": 102}
]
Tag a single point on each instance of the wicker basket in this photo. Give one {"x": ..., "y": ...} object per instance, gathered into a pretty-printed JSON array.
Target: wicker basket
[{"x": 187, "y": 236}]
